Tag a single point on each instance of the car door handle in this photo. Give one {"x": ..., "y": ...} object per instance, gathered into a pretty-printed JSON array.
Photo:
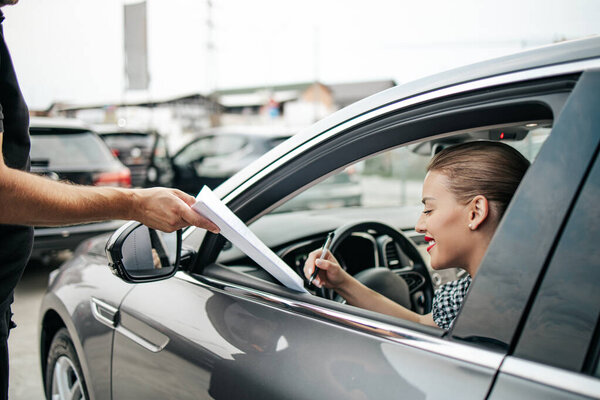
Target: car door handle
[
  {"x": 104, "y": 312},
  {"x": 109, "y": 316}
]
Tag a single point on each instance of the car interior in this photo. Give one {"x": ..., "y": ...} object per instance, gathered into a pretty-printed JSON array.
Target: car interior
[
  {"x": 375, "y": 240},
  {"x": 386, "y": 160}
]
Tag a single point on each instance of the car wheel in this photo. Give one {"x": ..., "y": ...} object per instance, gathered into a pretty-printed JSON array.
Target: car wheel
[{"x": 64, "y": 380}]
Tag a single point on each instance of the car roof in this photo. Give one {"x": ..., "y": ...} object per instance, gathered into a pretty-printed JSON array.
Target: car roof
[
  {"x": 549, "y": 55},
  {"x": 51, "y": 122},
  {"x": 269, "y": 131},
  {"x": 112, "y": 129},
  {"x": 552, "y": 55}
]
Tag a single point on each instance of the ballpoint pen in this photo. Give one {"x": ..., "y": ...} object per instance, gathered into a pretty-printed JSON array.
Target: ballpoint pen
[{"x": 324, "y": 251}]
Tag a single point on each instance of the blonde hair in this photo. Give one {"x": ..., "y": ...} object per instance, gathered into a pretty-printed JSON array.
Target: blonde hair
[{"x": 491, "y": 169}]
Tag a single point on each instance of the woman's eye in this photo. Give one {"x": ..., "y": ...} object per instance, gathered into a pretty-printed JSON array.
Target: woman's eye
[{"x": 426, "y": 211}]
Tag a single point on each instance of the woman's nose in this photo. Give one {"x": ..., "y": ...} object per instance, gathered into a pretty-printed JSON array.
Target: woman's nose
[{"x": 420, "y": 226}]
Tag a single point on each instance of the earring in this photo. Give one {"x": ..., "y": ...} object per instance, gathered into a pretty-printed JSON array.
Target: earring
[{"x": 470, "y": 226}]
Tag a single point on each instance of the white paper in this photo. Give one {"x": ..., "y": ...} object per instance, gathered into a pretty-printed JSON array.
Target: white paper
[{"x": 211, "y": 207}]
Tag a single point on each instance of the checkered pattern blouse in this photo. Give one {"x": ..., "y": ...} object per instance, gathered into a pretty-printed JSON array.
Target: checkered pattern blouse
[{"x": 448, "y": 300}]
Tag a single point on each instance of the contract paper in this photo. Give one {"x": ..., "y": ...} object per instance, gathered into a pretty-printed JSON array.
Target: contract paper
[{"x": 211, "y": 207}]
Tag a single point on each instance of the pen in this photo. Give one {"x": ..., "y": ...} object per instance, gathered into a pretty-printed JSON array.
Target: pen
[{"x": 324, "y": 251}]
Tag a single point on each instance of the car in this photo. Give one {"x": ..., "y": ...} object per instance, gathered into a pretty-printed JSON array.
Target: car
[
  {"x": 144, "y": 152},
  {"x": 189, "y": 315},
  {"x": 68, "y": 150},
  {"x": 218, "y": 153}
]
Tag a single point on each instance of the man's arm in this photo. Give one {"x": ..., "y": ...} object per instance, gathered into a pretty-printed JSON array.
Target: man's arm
[{"x": 28, "y": 199}]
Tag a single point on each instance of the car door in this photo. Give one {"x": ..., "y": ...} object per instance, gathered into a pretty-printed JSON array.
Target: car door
[
  {"x": 160, "y": 171},
  {"x": 217, "y": 333},
  {"x": 556, "y": 354},
  {"x": 210, "y": 342}
]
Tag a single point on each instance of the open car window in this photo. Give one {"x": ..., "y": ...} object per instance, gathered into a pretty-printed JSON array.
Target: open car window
[
  {"x": 385, "y": 187},
  {"x": 373, "y": 172}
]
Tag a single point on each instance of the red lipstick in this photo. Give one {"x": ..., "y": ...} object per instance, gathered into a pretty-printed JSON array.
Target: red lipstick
[{"x": 429, "y": 239}]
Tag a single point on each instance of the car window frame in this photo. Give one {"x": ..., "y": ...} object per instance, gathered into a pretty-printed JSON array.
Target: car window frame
[
  {"x": 546, "y": 93},
  {"x": 511, "y": 95}
]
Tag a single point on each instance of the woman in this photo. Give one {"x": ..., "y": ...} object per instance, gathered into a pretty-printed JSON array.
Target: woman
[{"x": 465, "y": 193}]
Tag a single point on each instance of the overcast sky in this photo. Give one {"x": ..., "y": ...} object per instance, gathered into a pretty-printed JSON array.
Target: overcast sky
[{"x": 72, "y": 51}]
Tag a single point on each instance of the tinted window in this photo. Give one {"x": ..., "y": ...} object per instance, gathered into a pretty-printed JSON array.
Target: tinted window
[
  {"x": 69, "y": 149},
  {"x": 563, "y": 318},
  {"x": 161, "y": 155},
  {"x": 210, "y": 146}
]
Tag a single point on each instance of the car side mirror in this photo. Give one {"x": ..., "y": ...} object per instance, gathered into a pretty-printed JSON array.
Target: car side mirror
[{"x": 137, "y": 253}]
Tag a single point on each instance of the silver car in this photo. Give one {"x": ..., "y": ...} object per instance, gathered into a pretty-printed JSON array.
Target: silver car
[{"x": 190, "y": 316}]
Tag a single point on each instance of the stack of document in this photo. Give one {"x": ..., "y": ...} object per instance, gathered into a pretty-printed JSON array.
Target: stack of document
[{"x": 210, "y": 206}]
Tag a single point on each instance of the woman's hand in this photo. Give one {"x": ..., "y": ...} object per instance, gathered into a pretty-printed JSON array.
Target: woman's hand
[{"x": 331, "y": 275}]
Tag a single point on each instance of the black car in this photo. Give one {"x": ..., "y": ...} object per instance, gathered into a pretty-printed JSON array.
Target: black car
[
  {"x": 190, "y": 316},
  {"x": 67, "y": 150},
  {"x": 145, "y": 153},
  {"x": 214, "y": 156}
]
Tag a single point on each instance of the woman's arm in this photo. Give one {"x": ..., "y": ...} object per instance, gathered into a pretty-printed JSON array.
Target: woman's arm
[{"x": 332, "y": 276}]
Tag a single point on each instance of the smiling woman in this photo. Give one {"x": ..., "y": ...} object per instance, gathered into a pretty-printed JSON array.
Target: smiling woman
[{"x": 465, "y": 193}]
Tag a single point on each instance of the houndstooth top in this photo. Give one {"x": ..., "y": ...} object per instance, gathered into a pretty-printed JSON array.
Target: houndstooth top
[{"x": 448, "y": 300}]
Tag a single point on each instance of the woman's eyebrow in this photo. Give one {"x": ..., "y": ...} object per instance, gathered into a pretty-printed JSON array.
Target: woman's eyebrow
[{"x": 426, "y": 199}]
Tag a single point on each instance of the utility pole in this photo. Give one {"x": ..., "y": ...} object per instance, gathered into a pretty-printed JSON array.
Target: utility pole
[{"x": 211, "y": 70}]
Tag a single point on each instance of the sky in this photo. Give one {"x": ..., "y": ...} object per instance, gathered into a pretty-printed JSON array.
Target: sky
[{"x": 72, "y": 50}]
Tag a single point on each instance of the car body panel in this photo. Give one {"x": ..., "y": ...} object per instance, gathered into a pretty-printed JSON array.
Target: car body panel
[
  {"x": 244, "y": 336},
  {"x": 216, "y": 331},
  {"x": 69, "y": 296},
  {"x": 529, "y": 380}
]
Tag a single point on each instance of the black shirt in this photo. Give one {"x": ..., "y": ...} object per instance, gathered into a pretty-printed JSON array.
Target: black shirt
[{"x": 15, "y": 241}]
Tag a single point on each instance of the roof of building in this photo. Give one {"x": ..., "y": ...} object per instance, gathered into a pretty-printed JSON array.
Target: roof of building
[{"x": 343, "y": 93}]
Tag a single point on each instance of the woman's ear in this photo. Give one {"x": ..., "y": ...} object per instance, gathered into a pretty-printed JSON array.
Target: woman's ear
[{"x": 479, "y": 209}]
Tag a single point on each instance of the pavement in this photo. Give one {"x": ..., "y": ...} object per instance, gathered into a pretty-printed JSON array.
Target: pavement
[{"x": 25, "y": 379}]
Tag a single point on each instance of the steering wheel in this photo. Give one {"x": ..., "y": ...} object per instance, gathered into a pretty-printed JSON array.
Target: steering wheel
[{"x": 411, "y": 288}]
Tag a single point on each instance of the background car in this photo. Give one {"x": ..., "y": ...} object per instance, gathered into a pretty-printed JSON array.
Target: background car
[
  {"x": 145, "y": 153},
  {"x": 217, "y": 325},
  {"x": 67, "y": 150},
  {"x": 216, "y": 155}
]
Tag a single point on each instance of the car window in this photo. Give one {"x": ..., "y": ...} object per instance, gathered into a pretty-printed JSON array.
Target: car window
[
  {"x": 387, "y": 185},
  {"x": 161, "y": 154},
  {"x": 69, "y": 149},
  {"x": 563, "y": 321},
  {"x": 210, "y": 146}
]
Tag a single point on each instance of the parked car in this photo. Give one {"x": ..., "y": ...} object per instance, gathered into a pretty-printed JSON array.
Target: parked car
[
  {"x": 145, "y": 153},
  {"x": 66, "y": 149},
  {"x": 214, "y": 156},
  {"x": 204, "y": 321}
]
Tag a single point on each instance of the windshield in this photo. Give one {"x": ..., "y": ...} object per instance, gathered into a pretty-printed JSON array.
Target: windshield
[{"x": 69, "y": 149}]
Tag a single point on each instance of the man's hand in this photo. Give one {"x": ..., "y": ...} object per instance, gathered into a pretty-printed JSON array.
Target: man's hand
[{"x": 167, "y": 210}]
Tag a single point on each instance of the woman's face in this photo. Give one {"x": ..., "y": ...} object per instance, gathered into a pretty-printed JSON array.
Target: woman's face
[{"x": 445, "y": 223}]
